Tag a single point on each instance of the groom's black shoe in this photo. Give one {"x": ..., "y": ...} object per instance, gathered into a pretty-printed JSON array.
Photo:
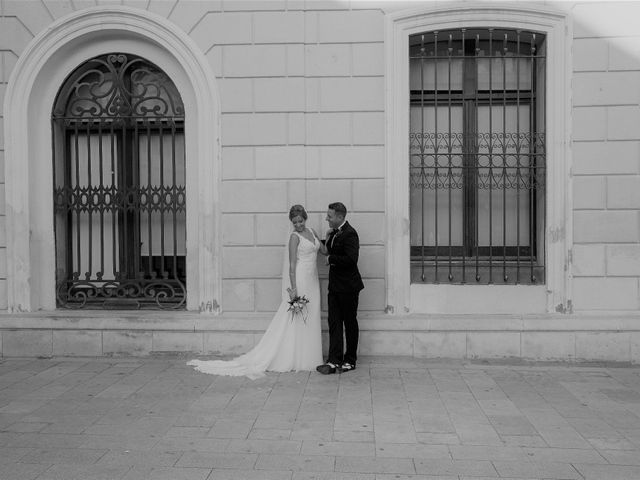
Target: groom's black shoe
[
  {"x": 326, "y": 368},
  {"x": 346, "y": 367}
]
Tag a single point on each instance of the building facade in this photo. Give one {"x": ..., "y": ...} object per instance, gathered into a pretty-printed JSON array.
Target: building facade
[{"x": 488, "y": 154}]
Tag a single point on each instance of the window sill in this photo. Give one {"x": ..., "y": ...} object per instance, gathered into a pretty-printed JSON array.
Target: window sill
[{"x": 478, "y": 299}]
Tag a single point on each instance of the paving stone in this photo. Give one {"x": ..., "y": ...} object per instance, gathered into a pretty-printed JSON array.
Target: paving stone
[
  {"x": 167, "y": 473},
  {"x": 537, "y": 469},
  {"x": 394, "y": 418},
  {"x": 63, "y": 455},
  {"x": 20, "y": 471},
  {"x": 454, "y": 467},
  {"x": 374, "y": 465},
  {"x": 313, "y": 463},
  {"x": 83, "y": 472}
]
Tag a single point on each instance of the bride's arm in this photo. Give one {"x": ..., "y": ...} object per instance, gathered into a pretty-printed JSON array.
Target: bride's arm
[
  {"x": 323, "y": 247},
  {"x": 293, "y": 260}
]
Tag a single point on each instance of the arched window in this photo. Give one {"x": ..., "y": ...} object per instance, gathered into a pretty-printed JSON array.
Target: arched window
[{"x": 119, "y": 186}]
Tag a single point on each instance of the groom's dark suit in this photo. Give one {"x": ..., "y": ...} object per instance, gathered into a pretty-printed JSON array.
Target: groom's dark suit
[{"x": 345, "y": 284}]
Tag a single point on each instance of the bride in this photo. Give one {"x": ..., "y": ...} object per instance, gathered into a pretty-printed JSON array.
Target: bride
[{"x": 293, "y": 339}]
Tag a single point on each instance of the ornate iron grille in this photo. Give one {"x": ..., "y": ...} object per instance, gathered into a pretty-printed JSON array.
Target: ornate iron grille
[
  {"x": 477, "y": 156},
  {"x": 119, "y": 187}
]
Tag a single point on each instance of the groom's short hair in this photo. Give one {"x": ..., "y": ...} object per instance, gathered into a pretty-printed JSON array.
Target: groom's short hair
[{"x": 339, "y": 208}]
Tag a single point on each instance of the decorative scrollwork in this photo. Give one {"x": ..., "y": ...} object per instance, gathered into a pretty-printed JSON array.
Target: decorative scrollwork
[
  {"x": 116, "y": 86},
  {"x": 162, "y": 293}
]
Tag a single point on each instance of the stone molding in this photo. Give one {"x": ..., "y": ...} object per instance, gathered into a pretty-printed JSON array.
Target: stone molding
[
  {"x": 32, "y": 88},
  {"x": 401, "y": 296}
]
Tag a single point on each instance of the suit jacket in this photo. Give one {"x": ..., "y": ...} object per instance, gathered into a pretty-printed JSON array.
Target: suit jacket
[{"x": 344, "y": 249}]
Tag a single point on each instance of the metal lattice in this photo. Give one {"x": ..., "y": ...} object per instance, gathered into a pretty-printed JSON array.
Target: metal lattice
[{"x": 119, "y": 193}]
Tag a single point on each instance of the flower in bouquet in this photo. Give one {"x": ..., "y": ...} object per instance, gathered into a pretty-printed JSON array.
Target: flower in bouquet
[{"x": 298, "y": 307}]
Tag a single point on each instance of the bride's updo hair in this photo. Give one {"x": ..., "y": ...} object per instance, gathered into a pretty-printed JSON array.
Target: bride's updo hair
[{"x": 297, "y": 211}]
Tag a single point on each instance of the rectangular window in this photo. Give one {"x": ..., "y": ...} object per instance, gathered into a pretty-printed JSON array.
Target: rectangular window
[{"x": 477, "y": 156}]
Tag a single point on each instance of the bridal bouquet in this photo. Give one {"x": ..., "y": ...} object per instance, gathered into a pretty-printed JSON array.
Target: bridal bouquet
[{"x": 298, "y": 307}]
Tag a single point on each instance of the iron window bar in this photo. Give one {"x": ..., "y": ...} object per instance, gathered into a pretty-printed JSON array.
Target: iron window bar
[{"x": 484, "y": 172}]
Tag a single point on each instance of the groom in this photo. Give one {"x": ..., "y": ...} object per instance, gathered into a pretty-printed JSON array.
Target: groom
[{"x": 345, "y": 284}]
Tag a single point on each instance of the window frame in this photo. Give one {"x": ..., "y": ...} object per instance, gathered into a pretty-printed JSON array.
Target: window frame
[
  {"x": 555, "y": 294},
  {"x": 469, "y": 252}
]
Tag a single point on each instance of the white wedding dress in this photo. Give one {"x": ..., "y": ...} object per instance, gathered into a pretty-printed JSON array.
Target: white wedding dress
[{"x": 289, "y": 343}]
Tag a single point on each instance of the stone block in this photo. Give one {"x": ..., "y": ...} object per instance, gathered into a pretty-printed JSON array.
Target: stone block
[
  {"x": 368, "y": 128},
  {"x": 236, "y": 95},
  {"x": 594, "y": 158},
  {"x": 610, "y": 88},
  {"x": 127, "y": 343},
  {"x": 369, "y": 195},
  {"x": 295, "y": 60},
  {"x": 608, "y": 19},
  {"x": 3, "y": 294},
  {"x": 312, "y": 92},
  {"x": 590, "y": 294},
  {"x": 370, "y": 227},
  {"x": 372, "y": 298},
  {"x": 624, "y": 53},
  {"x": 352, "y": 162},
  {"x": 589, "y": 123},
  {"x": 250, "y": 5},
  {"x": 331, "y": 60},
  {"x": 161, "y": 8},
  {"x": 350, "y": 26},
  {"x": 238, "y": 295},
  {"x": 8, "y": 64},
  {"x": 296, "y": 129},
  {"x": 361, "y": 94},
  {"x": 280, "y": 162},
  {"x": 226, "y": 343},
  {"x": 322, "y": 192},
  {"x": 272, "y": 229},
  {"x": 296, "y": 192},
  {"x": 257, "y": 196},
  {"x": 635, "y": 346},
  {"x": 238, "y": 229},
  {"x": 14, "y": 35},
  {"x": 169, "y": 342},
  {"x": 622, "y": 122},
  {"x": 255, "y": 61},
  {"x": 279, "y": 94},
  {"x": 607, "y": 346},
  {"x": 214, "y": 58},
  {"x": 368, "y": 59},
  {"x": 268, "y": 294},
  {"x": 548, "y": 345},
  {"x": 594, "y": 226},
  {"x": 623, "y": 192},
  {"x": 1, "y": 166},
  {"x": 27, "y": 343},
  {"x": 222, "y": 29},
  {"x": 589, "y": 192},
  {"x": 34, "y": 15},
  {"x": 493, "y": 344},
  {"x": 238, "y": 163},
  {"x": 255, "y": 129},
  {"x": 191, "y": 12},
  {"x": 371, "y": 262},
  {"x": 588, "y": 260},
  {"x": 278, "y": 27},
  {"x": 3, "y": 263},
  {"x": 246, "y": 262},
  {"x": 623, "y": 260},
  {"x": 590, "y": 55},
  {"x": 385, "y": 343},
  {"x": 328, "y": 128},
  {"x": 440, "y": 344},
  {"x": 77, "y": 343}
]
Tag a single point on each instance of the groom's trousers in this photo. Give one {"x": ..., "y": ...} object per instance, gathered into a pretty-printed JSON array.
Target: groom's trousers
[{"x": 343, "y": 310}]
